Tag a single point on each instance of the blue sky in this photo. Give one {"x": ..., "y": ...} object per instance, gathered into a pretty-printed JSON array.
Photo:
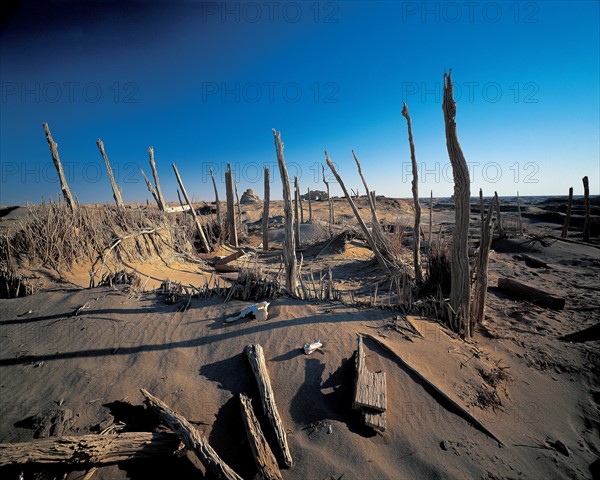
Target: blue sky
[{"x": 205, "y": 82}]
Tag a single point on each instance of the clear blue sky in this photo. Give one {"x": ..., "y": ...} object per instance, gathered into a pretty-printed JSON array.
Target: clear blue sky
[{"x": 205, "y": 82}]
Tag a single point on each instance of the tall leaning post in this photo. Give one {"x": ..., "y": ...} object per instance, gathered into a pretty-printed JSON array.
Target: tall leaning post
[
  {"x": 369, "y": 196},
  {"x": 113, "y": 184},
  {"x": 233, "y": 238},
  {"x": 217, "y": 204},
  {"x": 265, "y": 219},
  {"x": 192, "y": 211},
  {"x": 586, "y": 203},
  {"x": 289, "y": 239},
  {"x": 64, "y": 186},
  {"x": 415, "y": 192},
  {"x": 460, "y": 291},
  {"x": 162, "y": 205}
]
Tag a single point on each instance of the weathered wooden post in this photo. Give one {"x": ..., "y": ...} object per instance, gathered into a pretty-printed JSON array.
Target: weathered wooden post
[
  {"x": 64, "y": 186},
  {"x": 150, "y": 188},
  {"x": 289, "y": 240},
  {"x": 161, "y": 200},
  {"x": 415, "y": 192},
  {"x": 237, "y": 202},
  {"x": 565, "y": 230},
  {"x": 297, "y": 207},
  {"x": 374, "y": 199},
  {"x": 430, "y": 217},
  {"x": 460, "y": 292},
  {"x": 500, "y": 227},
  {"x": 233, "y": 239},
  {"x": 309, "y": 206},
  {"x": 586, "y": 202},
  {"x": 519, "y": 214},
  {"x": 217, "y": 203},
  {"x": 330, "y": 202},
  {"x": 265, "y": 219},
  {"x": 113, "y": 184},
  {"x": 369, "y": 198},
  {"x": 192, "y": 211}
]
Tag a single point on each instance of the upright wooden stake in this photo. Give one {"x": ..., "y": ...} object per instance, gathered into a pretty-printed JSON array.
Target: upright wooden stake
[
  {"x": 369, "y": 197},
  {"x": 297, "y": 207},
  {"x": 415, "y": 192},
  {"x": 586, "y": 202},
  {"x": 374, "y": 200},
  {"x": 265, "y": 219},
  {"x": 330, "y": 202},
  {"x": 192, "y": 211},
  {"x": 309, "y": 206},
  {"x": 360, "y": 221},
  {"x": 237, "y": 202},
  {"x": 217, "y": 203},
  {"x": 59, "y": 169},
  {"x": 150, "y": 188},
  {"x": 289, "y": 240},
  {"x": 162, "y": 204},
  {"x": 565, "y": 230},
  {"x": 460, "y": 292},
  {"x": 300, "y": 206},
  {"x": 113, "y": 184},
  {"x": 500, "y": 227},
  {"x": 233, "y": 239},
  {"x": 430, "y": 216},
  {"x": 519, "y": 214},
  {"x": 481, "y": 209}
]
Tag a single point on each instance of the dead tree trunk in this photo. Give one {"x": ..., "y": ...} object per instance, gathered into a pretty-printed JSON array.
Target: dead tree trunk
[
  {"x": 415, "y": 192},
  {"x": 59, "y": 169},
  {"x": 481, "y": 272},
  {"x": 233, "y": 238},
  {"x": 519, "y": 214},
  {"x": 369, "y": 197},
  {"x": 360, "y": 221},
  {"x": 374, "y": 200},
  {"x": 265, "y": 219},
  {"x": 217, "y": 203},
  {"x": 565, "y": 230},
  {"x": 586, "y": 202},
  {"x": 309, "y": 206},
  {"x": 192, "y": 211},
  {"x": 150, "y": 188},
  {"x": 297, "y": 207},
  {"x": 289, "y": 240},
  {"x": 330, "y": 202},
  {"x": 113, "y": 184},
  {"x": 191, "y": 438},
  {"x": 161, "y": 200},
  {"x": 237, "y": 203},
  {"x": 460, "y": 292}
]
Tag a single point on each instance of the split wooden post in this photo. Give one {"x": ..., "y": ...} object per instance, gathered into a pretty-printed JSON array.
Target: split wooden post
[
  {"x": 113, "y": 184},
  {"x": 192, "y": 211},
  {"x": 297, "y": 207},
  {"x": 309, "y": 206},
  {"x": 360, "y": 221},
  {"x": 265, "y": 219},
  {"x": 256, "y": 358},
  {"x": 586, "y": 202},
  {"x": 150, "y": 188},
  {"x": 64, "y": 186},
  {"x": 161, "y": 200},
  {"x": 565, "y": 230},
  {"x": 191, "y": 438},
  {"x": 217, "y": 203},
  {"x": 415, "y": 192},
  {"x": 330, "y": 202},
  {"x": 369, "y": 197},
  {"x": 460, "y": 292},
  {"x": 289, "y": 239},
  {"x": 481, "y": 272},
  {"x": 519, "y": 214},
  {"x": 233, "y": 238},
  {"x": 265, "y": 461}
]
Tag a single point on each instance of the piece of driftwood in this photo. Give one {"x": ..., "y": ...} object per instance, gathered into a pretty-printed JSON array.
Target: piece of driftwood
[
  {"x": 289, "y": 239},
  {"x": 192, "y": 211},
  {"x": 460, "y": 292},
  {"x": 90, "y": 449},
  {"x": 256, "y": 358},
  {"x": 161, "y": 200},
  {"x": 534, "y": 294},
  {"x": 369, "y": 388},
  {"x": 191, "y": 438},
  {"x": 64, "y": 186},
  {"x": 111, "y": 177},
  {"x": 534, "y": 262},
  {"x": 265, "y": 217},
  {"x": 375, "y": 420},
  {"x": 217, "y": 203},
  {"x": 565, "y": 229},
  {"x": 464, "y": 412},
  {"x": 261, "y": 451}
]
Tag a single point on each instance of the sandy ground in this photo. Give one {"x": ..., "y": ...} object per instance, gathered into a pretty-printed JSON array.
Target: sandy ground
[{"x": 94, "y": 363}]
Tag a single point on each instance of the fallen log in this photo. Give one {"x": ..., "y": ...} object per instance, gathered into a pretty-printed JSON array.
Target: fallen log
[
  {"x": 227, "y": 268},
  {"x": 369, "y": 388},
  {"x": 191, "y": 438},
  {"x": 534, "y": 262},
  {"x": 262, "y": 453},
  {"x": 256, "y": 358},
  {"x": 531, "y": 293},
  {"x": 90, "y": 449},
  {"x": 463, "y": 411}
]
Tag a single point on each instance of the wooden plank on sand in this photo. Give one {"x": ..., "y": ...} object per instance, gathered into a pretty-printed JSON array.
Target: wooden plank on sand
[
  {"x": 191, "y": 438},
  {"x": 256, "y": 358},
  {"x": 262, "y": 453},
  {"x": 531, "y": 293},
  {"x": 369, "y": 388}
]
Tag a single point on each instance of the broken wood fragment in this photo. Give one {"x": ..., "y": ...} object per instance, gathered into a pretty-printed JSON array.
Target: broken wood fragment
[
  {"x": 369, "y": 388},
  {"x": 375, "y": 420},
  {"x": 261, "y": 451},
  {"x": 229, "y": 258},
  {"x": 191, "y": 438},
  {"x": 531, "y": 293},
  {"x": 256, "y": 358}
]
